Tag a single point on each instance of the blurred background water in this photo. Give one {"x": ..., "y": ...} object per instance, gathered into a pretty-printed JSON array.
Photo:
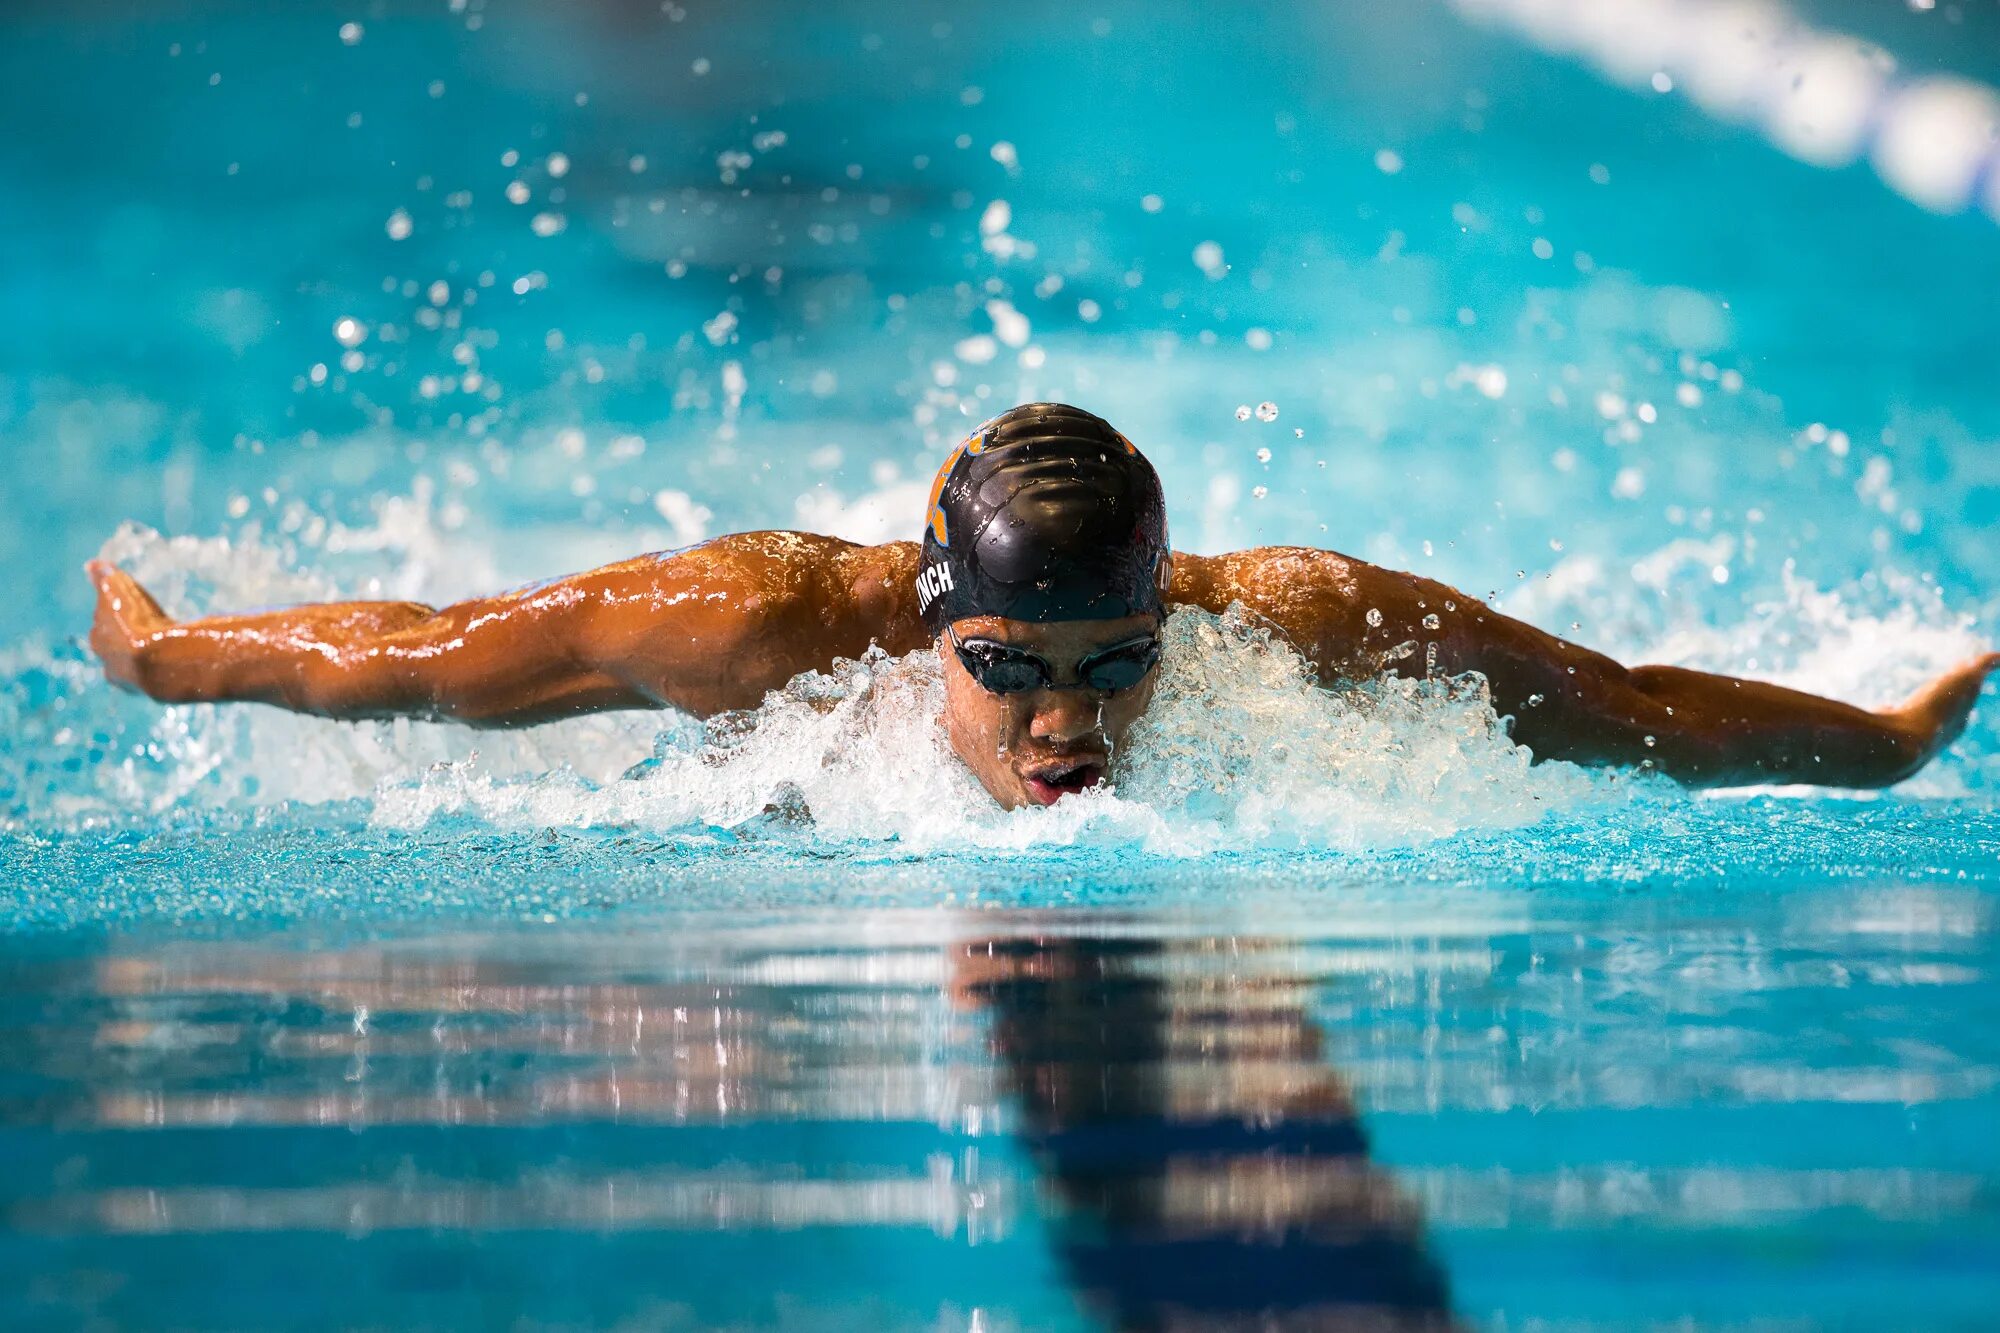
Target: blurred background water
[
  {"x": 1666, "y": 323},
  {"x": 311, "y": 257}
]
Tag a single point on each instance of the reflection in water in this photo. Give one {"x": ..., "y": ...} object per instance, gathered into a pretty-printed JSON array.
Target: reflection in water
[
  {"x": 1027, "y": 1131},
  {"x": 931, "y": 1120},
  {"x": 1211, "y": 1169}
]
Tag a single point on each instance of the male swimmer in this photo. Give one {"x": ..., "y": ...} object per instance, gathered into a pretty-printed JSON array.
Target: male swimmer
[{"x": 1042, "y": 579}]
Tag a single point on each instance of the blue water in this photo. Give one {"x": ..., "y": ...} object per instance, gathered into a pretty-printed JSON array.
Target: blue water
[{"x": 1337, "y": 1004}]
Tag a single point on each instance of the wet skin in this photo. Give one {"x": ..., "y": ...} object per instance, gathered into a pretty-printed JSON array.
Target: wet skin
[
  {"x": 714, "y": 627},
  {"x": 1035, "y": 747}
]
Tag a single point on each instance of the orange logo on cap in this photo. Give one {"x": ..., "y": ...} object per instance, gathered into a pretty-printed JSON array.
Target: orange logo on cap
[{"x": 971, "y": 444}]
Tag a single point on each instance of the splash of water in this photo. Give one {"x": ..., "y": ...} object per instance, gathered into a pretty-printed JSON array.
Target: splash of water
[
  {"x": 1873, "y": 642},
  {"x": 1240, "y": 749}
]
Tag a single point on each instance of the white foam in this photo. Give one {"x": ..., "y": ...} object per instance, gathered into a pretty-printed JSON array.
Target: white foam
[
  {"x": 1240, "y": 749},
  {"x": 880, "y": 515}
]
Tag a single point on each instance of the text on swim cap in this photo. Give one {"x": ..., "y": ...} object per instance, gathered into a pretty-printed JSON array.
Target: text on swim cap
[{"x": 933, "y": 579}]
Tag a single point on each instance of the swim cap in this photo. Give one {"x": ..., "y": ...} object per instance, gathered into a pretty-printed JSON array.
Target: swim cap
[{"x": 1044, "y": 513}]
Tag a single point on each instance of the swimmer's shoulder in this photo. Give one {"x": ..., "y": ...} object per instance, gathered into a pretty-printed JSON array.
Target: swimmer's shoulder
[
  {"x": 1317, "y": 599},
  {"x": 827, "y": 572},
  {"x": 800, "y": 588},
  {"x": 856, "y": 592},
  {"x": 1274, "y": 579},
  {"x": 773, "y": 553},
  {"x": 879, "y": 583}
]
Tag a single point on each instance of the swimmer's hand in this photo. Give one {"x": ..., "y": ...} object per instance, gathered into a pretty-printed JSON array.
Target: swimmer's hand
[
  {"x": 1936, "y": 715},
  {"x": 127, "y": 620}
]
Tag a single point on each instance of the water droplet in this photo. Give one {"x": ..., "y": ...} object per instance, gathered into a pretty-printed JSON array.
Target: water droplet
[
  {"x": 1260, "y": 492},
  {"x": 1431, "y": 621},
  {"x": 1650, "y": 741},
  {"x": 1534, "y": 701},
  {"x": 1374, "y": 618},
  {"x": 1243, "y": 412},
  {"x": 350, "y": 33},
  {"x": 1267, "y": 411},
  {"x": 1263, "y": 455},
  {"x": 1298, "y": 432}
]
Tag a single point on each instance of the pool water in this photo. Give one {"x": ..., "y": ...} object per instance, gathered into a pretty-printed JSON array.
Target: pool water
[
  {"x": 812, "y": 1097},
  {"x": 1336, "y": 1013}
]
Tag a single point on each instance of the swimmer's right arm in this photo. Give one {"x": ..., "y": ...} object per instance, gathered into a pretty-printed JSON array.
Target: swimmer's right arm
[{"x": 706, "y": 630}]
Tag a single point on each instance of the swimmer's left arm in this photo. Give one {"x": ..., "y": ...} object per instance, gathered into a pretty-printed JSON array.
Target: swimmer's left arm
[
  {"x": 1708, "y": 730},
  {"x": 1353, "y": 619}
]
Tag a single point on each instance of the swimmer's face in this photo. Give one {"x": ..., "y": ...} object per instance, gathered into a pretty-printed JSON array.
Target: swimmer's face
[{"x": 1037, "y": 746}]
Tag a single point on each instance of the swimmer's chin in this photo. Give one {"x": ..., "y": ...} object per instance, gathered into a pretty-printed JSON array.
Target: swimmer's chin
[{"x": 1050, "y": 785}]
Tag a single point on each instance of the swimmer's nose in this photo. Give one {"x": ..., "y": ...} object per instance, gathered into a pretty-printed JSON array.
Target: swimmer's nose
[{"x": 1063, "y": 716}]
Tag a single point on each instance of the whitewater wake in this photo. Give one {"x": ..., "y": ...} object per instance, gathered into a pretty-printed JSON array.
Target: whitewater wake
[{"x": 1240, "y": 750}]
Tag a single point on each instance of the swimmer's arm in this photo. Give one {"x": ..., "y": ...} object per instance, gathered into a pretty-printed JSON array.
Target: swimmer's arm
[
  {"x": 1703, "y": 729},
  {"x": 1570, "y": 703},
  {"x": 705, "y": 630}
]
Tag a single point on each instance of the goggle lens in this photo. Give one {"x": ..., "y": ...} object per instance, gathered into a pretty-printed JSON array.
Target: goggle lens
[
  {"x": 1122, "y": 668},
  {"x": 1001, "y": 669}
]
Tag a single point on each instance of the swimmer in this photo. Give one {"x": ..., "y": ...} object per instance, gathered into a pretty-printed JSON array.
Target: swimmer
[{"x": 1042, "y": 578}]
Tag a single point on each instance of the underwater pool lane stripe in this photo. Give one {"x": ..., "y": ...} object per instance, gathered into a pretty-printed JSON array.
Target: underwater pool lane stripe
[
  {"x": 992, "y": 1206},
  {"x": 636, "y": 1201},
  {"x": 1824, "y": 98}
]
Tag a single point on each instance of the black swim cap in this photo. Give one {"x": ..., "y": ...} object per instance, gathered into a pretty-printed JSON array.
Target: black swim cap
[{"x": 1044, "y": 513}]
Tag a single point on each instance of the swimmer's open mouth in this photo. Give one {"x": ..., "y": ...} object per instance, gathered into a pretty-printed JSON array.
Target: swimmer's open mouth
[{"x": 1049, "y": 785}]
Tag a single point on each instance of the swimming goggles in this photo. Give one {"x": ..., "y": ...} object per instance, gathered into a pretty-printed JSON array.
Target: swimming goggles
[{"x": 1003, "y": 669}]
